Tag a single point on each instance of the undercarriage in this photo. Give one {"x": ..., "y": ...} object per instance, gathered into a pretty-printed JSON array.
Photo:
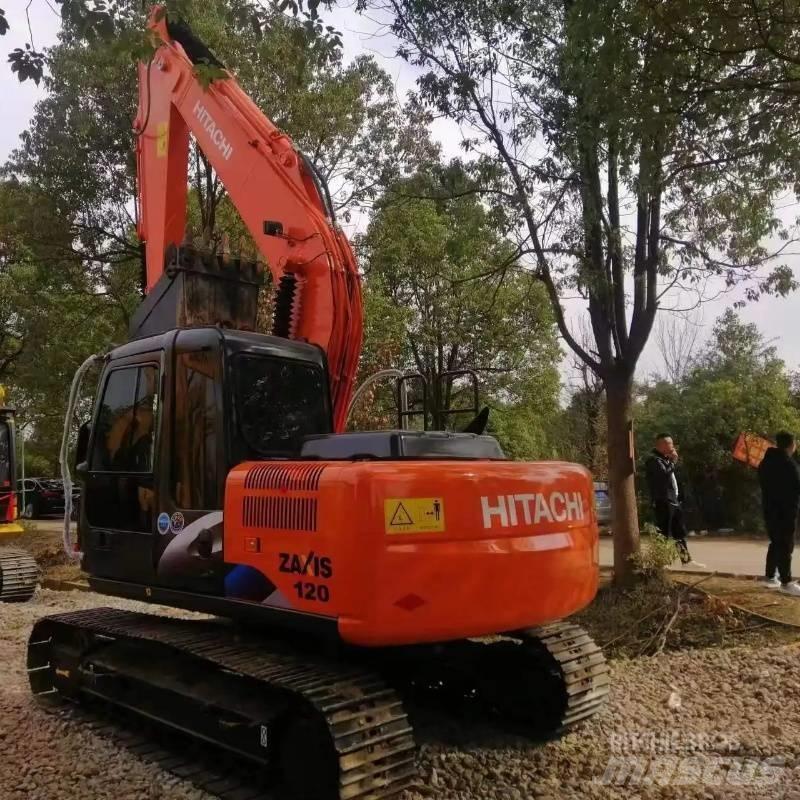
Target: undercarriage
[{"x": 322, "y": 726}]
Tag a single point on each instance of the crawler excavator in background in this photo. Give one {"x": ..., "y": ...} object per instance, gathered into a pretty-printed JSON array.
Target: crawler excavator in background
[
  {"x": 19, "y": 574},
  {"x": 349, "y": 570}
]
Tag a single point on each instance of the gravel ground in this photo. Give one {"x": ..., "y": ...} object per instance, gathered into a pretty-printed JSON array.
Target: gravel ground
[{"x": 710, "y": 716}]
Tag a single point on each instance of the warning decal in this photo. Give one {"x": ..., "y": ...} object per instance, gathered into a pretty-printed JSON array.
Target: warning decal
[
  {"x": 162, "y": 139},
  {"x": 413, "y": 514}
]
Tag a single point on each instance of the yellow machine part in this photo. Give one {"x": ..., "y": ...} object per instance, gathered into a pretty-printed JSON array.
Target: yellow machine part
[{"x": 10, "y": 530}]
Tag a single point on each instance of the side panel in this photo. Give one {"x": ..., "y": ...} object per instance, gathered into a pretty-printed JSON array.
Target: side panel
[{"x": 402, "y": 552}]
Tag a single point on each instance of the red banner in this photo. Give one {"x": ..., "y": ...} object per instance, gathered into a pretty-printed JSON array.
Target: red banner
[{"x": 750, "y": 448}]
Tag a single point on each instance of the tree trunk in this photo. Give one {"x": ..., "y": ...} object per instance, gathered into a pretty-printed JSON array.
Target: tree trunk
[{"x": 625, "y": 517}]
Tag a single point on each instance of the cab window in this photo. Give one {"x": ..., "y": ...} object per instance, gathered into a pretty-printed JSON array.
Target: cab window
[
  {"x": 279, "y": 401},
  {"x": 124, "y": 434}
]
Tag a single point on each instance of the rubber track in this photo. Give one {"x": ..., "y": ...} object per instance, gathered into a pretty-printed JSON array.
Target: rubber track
[
  {"x": 366, "y": 720},
  {"x": 583, "y": 668},
  {"x": 19, "y": 575}
]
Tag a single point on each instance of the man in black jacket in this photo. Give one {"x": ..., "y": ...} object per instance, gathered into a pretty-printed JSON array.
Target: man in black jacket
[
  {"x": 779, "y": 477},
  {"x": 665, "y": 494}
]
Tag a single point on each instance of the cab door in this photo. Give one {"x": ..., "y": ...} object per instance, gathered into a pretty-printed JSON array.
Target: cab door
[{"x": 119, "y": 485}]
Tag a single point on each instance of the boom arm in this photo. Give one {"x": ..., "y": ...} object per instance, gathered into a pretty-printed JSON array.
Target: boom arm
[{"x": 269, "y": 182}]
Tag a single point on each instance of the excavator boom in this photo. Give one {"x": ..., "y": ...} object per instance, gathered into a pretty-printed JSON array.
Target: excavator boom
[{"x": 280, "y": 197}]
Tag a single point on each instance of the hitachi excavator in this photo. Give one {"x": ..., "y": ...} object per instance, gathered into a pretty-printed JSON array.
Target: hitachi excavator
[
  {"x": 19, "y": 574},
  {"x": 350, "y": 570}
]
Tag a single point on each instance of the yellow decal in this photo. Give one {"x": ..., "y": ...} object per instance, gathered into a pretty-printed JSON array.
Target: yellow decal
[
  {"x": 62, "y": 673},
  {"x": 413, "y": 514},
  {"x": 162, "y": 139}
]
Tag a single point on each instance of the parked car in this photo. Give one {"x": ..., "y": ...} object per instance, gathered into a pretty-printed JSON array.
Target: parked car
[
  {"x": 602, "y": 501},
  {"x": 43, "y": 497}
]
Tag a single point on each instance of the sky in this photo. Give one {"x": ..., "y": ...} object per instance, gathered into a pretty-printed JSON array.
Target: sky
[{"x": 777, "y": 318}]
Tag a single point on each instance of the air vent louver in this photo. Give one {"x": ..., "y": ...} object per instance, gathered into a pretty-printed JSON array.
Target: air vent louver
[{"x": 278, "y": 509}]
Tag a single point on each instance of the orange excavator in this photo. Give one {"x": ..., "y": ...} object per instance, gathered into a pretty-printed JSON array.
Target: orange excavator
[{"x": 350, "y": 570}]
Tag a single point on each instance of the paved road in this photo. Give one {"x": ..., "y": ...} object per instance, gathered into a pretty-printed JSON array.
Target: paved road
[{"x": 719, "y": 554}]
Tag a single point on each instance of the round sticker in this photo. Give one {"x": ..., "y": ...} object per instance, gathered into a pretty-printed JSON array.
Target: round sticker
[
  {"x": 163, "y": 523},
  {"x": 176, "y": 522}
]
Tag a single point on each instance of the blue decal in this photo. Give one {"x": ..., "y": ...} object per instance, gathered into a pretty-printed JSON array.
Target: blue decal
[{"x": 163, "y": 523}]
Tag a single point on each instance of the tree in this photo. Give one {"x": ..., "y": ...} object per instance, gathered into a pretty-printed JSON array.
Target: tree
[
  {"x": 576, "y": 111},
  {"x": 80, "y": 145},
  {"x": 676, "y": 339},
  {"x": 428, "y": 312},
  {"x": 51, "y": 315},
  {"x": 585, "y": 423},
  {"x": 98, "y": 20},
  {"x": 737, "y": 384}
]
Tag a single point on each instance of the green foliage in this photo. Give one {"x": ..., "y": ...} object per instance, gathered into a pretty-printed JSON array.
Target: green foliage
[
  {"x": 37, "y": 466},
  {"x": 80, "y": 145},
  {"x": 444, "y": 292},
  {"x": 52, "y": 316},
  {"x": 737, "y": 384},
  {"x": 584, "y": 426},
  {"x": 655, "y": 556},
  {"x": 109, "y": 22},
  {"x": 72, "y": 283}
]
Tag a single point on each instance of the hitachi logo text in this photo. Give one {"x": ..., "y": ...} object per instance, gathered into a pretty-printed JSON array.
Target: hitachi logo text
[
  {"x": 214, "y": 133},
  {"x": 511, "y": 510}
]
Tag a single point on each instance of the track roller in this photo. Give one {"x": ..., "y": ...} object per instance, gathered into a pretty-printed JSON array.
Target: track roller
[{"x": 19, "y": 575}]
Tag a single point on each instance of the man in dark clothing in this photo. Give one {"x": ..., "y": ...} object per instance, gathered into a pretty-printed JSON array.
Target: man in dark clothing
[
  {"x": 665, "y": 494},
  {"x": 779, "y": 477}
]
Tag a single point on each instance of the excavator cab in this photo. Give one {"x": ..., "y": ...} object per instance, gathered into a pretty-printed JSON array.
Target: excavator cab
[{"x": 174, "y": 413}]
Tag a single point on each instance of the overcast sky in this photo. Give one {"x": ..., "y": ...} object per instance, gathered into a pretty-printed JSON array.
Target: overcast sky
[{"x": 778, "y": 319}]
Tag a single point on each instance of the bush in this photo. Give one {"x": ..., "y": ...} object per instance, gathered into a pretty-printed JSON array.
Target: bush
[
  {"x": 655, "y": 555},
  {"x": 648, "y": 530}
]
